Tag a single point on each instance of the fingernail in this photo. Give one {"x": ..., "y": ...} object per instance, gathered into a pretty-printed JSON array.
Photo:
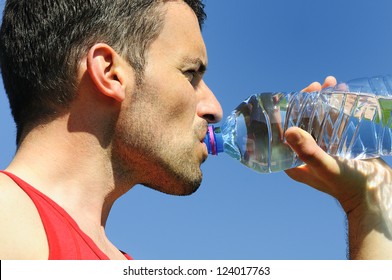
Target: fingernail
[{"x": 293, "y": 137}]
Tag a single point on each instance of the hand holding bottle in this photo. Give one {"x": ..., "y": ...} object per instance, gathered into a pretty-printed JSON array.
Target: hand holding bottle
[{"x": 363, "y": 188}]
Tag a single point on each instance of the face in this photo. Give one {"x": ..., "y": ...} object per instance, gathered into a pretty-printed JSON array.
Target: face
[{"x": 160, "y": 132}]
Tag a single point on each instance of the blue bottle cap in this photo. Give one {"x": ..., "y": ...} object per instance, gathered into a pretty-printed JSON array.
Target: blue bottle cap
[{"x": 214, "y": 140}]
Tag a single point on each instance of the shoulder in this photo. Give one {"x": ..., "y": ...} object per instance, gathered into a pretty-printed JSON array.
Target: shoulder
[{"x": 22, "y": 234}]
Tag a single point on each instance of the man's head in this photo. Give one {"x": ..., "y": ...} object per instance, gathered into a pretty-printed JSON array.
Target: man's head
[
  {"x": 43, "y": 41},
  {"x": 169, "y": 111},
  {"x": 127, "y": 73}
]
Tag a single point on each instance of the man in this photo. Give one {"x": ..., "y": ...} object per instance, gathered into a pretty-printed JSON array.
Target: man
[{"x": 109, "y": 94}]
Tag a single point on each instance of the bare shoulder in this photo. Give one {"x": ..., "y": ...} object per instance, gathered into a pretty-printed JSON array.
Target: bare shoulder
[{"x": 22, "y": 235}]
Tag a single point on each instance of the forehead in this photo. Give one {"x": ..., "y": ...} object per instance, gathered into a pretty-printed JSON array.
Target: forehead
[{"x": 180, "y": 37}]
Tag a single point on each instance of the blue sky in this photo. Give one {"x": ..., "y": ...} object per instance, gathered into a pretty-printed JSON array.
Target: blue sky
[{"x": 254, "y": 46}]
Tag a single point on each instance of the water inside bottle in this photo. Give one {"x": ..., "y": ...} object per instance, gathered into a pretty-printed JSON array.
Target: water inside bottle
[
  {"x": 256, "y": 133},
  {"x": 344, "y": 124}
]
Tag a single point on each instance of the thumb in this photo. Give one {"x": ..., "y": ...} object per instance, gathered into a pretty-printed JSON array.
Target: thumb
[{"x": 309, "y": 152}]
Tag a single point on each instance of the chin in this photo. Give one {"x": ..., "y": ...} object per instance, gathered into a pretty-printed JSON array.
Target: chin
[
  {"x": 176, "y": 173},
  {"x": 180, "y": 187}
]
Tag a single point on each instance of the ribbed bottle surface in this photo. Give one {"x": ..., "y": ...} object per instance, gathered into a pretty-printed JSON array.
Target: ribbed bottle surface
[{"x": 351, "y": 120}]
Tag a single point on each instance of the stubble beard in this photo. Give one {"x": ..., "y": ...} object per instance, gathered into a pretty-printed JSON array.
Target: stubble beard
[{"x": 144, "y": 154}]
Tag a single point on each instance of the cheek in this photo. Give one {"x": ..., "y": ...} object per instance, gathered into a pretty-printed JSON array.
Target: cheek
[
  {"x": 184, "y": 107},
  {"x": 172, "y": 98},
  {"x": 179, "y": 104}
]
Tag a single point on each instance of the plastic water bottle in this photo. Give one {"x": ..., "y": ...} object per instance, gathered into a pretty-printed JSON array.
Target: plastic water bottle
[{"x": 351, "y": 120}]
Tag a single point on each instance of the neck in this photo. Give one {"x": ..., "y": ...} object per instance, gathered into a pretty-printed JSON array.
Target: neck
[{"x": 73, "y": 169}]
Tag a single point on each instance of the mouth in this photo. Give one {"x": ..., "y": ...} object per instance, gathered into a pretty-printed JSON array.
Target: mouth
[
  {"x": 205, "y": 149},
  {"x": 203, "y": 133}
]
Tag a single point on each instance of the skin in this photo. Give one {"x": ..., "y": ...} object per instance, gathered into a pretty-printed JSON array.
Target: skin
[
  {"x": 359, "y": 185},
  {"x": 174, "y": 119},
  {"x": 117, "y": 133}
]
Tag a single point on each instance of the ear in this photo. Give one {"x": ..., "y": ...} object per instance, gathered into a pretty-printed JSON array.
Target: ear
[{"x": 107, "y": 71}]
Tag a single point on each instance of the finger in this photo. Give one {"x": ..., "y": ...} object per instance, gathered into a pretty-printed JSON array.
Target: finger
[
  {"x": 315, "y": 86},
  {"x": 310, "y": 153},
  {"x": 304, "y": 174},
  {"x": 329, "y": 81}
]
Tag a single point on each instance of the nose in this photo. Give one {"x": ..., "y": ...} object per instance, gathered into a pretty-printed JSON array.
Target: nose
[{"x": 208, "y": 106}]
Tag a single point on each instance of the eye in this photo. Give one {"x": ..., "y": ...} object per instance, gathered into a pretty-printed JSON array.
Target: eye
[
  {"x": 193, "y": 77},
  {"x": 190, "y": 75}
]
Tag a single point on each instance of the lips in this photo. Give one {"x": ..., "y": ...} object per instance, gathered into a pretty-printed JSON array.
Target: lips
[
  {"x": 203, "y": 133},
  {"x": 205, "y": 149}
]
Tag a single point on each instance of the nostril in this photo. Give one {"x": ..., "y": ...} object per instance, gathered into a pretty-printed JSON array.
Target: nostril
[{"x": 209, "y": 118}]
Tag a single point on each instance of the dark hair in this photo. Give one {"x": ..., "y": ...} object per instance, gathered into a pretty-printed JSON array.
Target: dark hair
[{"x": 42, "y": 42}]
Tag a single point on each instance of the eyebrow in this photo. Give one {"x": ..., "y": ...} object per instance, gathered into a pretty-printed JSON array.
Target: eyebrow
[{"x": 202, "y": 67}]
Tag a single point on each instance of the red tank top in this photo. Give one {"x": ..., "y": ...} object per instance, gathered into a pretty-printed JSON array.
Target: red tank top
[{"x": 65, "y": 239}]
